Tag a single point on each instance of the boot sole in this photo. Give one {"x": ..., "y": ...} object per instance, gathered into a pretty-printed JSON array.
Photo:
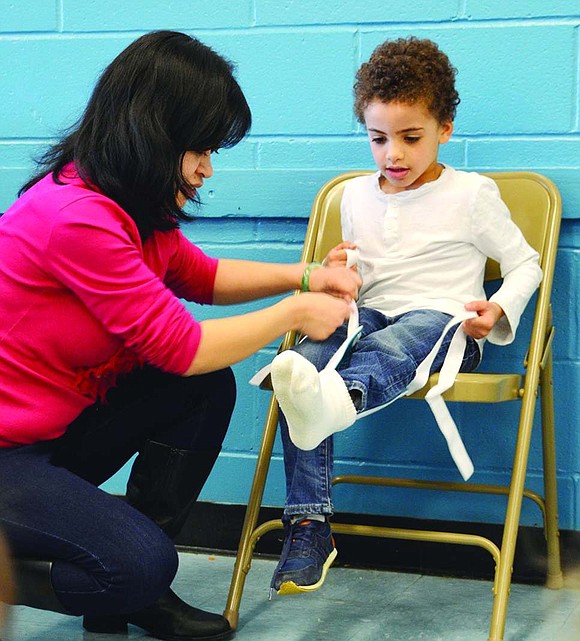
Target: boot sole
[
  {"x": 228, "y": 634},
  {"x": 289, "y": 587},
  {"x": 120, "y": 627}
]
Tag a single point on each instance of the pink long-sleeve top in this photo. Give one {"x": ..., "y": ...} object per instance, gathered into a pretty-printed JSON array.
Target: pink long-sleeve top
[{"x": 83, "y": 300}]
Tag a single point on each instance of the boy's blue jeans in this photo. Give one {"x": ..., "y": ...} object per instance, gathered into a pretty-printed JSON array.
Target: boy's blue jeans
[{"x": 381, "y": 366}]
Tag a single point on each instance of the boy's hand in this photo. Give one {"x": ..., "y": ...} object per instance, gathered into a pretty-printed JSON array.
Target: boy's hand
[
  {"x": 336, "y": 257},
  {"x": 487, "y": 316}
]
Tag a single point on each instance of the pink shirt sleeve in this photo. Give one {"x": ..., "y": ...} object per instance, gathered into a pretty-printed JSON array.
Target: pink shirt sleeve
[
  {"x": 94, "y": 249},
  {"x": 189, "y": 272}
]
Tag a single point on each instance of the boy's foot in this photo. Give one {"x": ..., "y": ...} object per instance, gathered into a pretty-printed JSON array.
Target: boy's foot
[
  {"x": 307, "y": 554},
  {"x": 315, "y": 404}
]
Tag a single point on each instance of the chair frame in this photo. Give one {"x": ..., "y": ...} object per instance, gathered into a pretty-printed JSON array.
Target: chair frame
[{"x": 489, "y": 388}]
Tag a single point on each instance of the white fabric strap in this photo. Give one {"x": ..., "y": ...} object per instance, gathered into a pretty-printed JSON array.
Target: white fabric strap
[
  {"x": 434, "y": 398},
  {"x": 449, "y": 370}
]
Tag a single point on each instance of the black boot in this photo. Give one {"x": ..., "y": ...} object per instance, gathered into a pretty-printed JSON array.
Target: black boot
[
  {"x": 163, "y": 484},
  {"x": 34, "y": 586},
  {"x": 168, "y": 618}
]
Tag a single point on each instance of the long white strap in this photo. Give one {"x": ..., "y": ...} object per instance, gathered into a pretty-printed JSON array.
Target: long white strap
[{"x": 449, "y": 370}]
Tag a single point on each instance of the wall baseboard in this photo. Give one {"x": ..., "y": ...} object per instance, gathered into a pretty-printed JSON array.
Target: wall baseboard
[{"x": 217, "y": 527}]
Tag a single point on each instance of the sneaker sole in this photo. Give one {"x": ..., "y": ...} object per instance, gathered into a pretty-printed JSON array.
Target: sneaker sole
[{"x": 289, "y": 587}]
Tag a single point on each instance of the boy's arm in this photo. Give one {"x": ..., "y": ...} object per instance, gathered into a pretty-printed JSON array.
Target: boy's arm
[{"x": 498, "y": 237}]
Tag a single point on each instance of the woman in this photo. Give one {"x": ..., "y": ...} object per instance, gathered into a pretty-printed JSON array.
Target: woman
[{"x": 99, "y": 359}]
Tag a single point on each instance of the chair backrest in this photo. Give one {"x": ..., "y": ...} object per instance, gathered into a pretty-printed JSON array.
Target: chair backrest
[{"x": 533, "y": 200}]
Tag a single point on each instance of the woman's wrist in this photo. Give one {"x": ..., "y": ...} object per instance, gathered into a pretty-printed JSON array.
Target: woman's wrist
[{"x": 305, "y": 282}]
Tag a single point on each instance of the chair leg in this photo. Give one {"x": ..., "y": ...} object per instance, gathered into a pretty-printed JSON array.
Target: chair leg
[
  {"x": 246, "y": 546},
  {"x": 513, "y": 511},
  {"x": 554, "y": 579}
]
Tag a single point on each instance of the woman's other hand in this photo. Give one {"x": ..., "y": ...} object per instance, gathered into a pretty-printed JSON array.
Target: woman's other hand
[
  {"x": 318, "y": 315},
  {"x": 337, "y": 281}
]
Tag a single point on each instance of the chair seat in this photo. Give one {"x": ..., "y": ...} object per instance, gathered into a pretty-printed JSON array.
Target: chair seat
[
  {"x": 468, "y": 388},
  {"x": 478, "y": 388}
]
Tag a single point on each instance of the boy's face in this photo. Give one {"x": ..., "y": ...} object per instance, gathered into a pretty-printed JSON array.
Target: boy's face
[{"x": 405, "y": 141}]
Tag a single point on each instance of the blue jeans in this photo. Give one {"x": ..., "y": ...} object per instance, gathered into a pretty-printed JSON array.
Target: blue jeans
[
  {"x": 379, "y": 368},
  {"x": 108, "y": 558}
]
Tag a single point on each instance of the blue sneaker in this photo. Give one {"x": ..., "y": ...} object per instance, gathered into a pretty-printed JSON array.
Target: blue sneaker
[{"x": 307, "y": 554}]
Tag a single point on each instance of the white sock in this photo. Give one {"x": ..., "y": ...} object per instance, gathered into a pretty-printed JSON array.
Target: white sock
[
  {"x": 308, "y": 517},
  {"x": 315, "y": 404}
]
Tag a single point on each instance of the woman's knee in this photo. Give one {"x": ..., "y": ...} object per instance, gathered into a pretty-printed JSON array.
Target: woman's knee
[{"x": 134, "y": 575}]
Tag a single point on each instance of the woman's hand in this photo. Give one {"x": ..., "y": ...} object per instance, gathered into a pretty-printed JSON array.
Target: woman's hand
[
  {"x": 225, "y": 341},
  {"x": 318, "y": 315},
  {"x": 336, "y": 257},
  {"x": 487, "y": 316},
  {"x": 337, "y": 281}
]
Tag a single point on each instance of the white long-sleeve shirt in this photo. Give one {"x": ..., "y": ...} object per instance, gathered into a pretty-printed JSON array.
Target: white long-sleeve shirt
[{"x": 426, "y": 248}]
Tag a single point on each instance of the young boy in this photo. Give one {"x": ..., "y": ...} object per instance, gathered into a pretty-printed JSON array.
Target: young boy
[{"x": 423, "y": 232}]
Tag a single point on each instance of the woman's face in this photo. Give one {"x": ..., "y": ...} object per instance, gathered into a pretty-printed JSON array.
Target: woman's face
[{"x": 195, "y": 167}]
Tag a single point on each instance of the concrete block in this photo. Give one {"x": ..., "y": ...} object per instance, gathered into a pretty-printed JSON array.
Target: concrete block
[
  {"x": 497, "y": 153},
  {"x": 10, "y": 182},
  {"x": 567, "y": 410},
  {"x": 566, "y": 305},
  {"x": 531, "y": 9},
  {"x": 149, "y": 15},
  {"x": 46, "y": 87},
  {"x": 319, "y": 13},
  {"x": 263, "y": 193},
  {"x": 32, "y": 15}
]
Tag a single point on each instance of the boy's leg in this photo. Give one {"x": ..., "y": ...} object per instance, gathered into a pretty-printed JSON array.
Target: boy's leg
[
  {"x": 308, "y": 474},
  {"x": 380, "y": 368},
  {"x": 308, "y": 549},
  {"x": 308, "y": 477},
  {"x": 315, "y": 404},
  {"x": 385, "y": 361},
  {"x": 382, "y": 363}
]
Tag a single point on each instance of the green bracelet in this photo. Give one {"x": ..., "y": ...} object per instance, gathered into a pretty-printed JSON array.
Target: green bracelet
[{"x": 305, "y": 286}]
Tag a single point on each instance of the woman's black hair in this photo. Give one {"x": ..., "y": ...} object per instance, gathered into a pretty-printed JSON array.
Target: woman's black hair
[{"x": 165, "y": 94}]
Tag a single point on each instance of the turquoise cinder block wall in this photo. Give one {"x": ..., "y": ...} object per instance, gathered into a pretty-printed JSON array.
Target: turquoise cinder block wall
[{"x": 519, "y": 79}]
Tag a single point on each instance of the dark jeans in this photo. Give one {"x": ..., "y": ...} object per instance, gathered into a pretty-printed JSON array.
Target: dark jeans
[{"x": 107, "y": 557}]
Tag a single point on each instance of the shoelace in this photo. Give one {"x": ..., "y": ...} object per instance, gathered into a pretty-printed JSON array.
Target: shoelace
[{"x": 301, "y": 531}]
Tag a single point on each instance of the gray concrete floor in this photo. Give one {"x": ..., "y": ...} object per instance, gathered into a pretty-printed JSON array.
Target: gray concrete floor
[{"x": 353, "y": 605}]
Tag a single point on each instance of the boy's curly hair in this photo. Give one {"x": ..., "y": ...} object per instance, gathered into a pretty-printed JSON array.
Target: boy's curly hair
[{"x": 408, "y": 70}]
